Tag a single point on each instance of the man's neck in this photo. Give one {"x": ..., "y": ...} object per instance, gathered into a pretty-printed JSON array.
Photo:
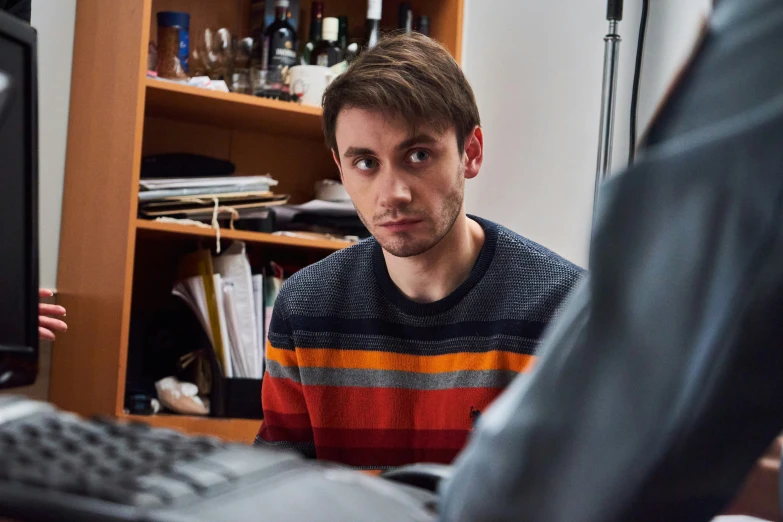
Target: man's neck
[{"x": 435, "y": 274}]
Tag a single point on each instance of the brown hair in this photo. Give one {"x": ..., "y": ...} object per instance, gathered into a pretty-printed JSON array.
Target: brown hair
[{"x": 409, "y": 75}]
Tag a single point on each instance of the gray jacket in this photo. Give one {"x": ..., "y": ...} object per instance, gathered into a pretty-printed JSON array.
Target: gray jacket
[{"x": 662, "y": 381}]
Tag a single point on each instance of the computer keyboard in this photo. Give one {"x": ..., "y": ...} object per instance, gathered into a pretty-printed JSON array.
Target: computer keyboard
[{"x": 57, "y": 466}]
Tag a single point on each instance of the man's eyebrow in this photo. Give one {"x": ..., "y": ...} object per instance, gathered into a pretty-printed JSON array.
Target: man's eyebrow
[
  {"x": 419, "y": 139},
  {"x": 352, "y": 152}
]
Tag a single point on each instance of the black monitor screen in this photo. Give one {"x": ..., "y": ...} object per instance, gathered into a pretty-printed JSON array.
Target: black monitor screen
[{"x": 18, "y": 204}]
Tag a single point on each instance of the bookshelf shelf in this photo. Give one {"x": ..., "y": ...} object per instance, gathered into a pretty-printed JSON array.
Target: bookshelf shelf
[
  {"x": 115, "y": 270},
  {"x": 234, "y": 430},
  {"x": 231, "y": 111},
  {"x": 156, "y": 227}
]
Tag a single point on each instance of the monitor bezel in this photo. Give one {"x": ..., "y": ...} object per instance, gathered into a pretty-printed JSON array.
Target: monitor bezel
[{"x": 19, "y": 364}]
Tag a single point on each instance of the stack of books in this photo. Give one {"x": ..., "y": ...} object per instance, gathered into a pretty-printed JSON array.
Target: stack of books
[{"x": 201, "y": 198}]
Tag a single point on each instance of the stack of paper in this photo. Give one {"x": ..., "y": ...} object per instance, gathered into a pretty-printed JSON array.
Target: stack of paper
[
  {"x": 240, "y": 307},
  {"x": 258, "y": 302},
  {"x": 198, "y": 286},
  {"x": 233, "y": 305},
  {"x": 197, "y": 197},
  {"x": 337, "y": 219}
]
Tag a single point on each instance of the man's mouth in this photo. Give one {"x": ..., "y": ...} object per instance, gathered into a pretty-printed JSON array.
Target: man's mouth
[{"x": 400, "y": 225}]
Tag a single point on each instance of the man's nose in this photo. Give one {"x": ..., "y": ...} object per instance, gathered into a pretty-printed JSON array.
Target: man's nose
[{"x": 394, "y": 189}]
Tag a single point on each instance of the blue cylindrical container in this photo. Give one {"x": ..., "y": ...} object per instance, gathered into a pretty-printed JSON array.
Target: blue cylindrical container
[{"x": 180, "y": 21}]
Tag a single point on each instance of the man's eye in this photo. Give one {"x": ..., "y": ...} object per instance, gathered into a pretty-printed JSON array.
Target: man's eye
[
  {"x": 366, "y": 164},
  {"x": 419, "y": 156}
]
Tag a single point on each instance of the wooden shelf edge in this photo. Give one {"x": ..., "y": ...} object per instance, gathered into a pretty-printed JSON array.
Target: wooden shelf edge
[
  {"x": 231, "y": 111},
  {"x": 233, "y": 98},
  {"x": 233, "y": 430},
  {"x": 240, "y": 235}
]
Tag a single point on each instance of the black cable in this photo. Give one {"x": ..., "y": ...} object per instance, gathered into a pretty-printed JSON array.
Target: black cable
[{"x": 636, "y": 78}]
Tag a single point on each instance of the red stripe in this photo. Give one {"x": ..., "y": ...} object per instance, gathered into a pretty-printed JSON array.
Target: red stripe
[
  {"x": 295, "y": 421},
  {"x": 381, "y": 457},
  {"x": 282, "y": 427},
  {"x": 282, "y": 395},
  {"x": 395, "y": 408},
  {"x": 389, "y": 439}
]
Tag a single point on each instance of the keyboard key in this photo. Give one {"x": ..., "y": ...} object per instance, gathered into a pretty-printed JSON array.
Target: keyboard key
[
  {"x": 198, "y": 477},
  {"x": 238, "y": 461},
  {"x": 131, "y": 498},
  {"x": 167, "y": 489}
]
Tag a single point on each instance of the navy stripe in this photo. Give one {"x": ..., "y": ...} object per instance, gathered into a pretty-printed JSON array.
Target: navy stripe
[
  {"x": 376, "y": 343},
  {"x": 467, "y": 329}
]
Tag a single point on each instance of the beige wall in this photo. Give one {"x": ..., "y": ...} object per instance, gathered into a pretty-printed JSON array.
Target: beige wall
[
  {"x": 54, "y": 21},
  {"x": 536, "y": 68}
]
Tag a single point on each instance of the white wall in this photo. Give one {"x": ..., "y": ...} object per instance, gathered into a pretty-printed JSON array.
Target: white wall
[
  {"x": 54, "y": 21},
  {"x": 536, "y": 68}
]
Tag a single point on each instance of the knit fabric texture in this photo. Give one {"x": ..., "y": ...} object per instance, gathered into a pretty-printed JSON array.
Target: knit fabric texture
[{"x": 358, "y": 373}]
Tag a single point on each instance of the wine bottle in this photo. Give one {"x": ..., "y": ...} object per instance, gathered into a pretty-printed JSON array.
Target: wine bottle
[
  {"x": 373, "y": 31},
  {"x": 423, "y": 25},
  {"x": 316, "y": 30},
  {"x": 279, "y": 49},
  {"x": 327, "y": 51},
  {"x": 342, "y": 37},
  {"x": 405, "y": 18}
]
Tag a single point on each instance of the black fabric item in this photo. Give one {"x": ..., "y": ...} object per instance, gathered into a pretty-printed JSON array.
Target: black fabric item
[
  {"x": 662, "y": 381},
  {"x": 181, "y": 165},
  {"x": 22, "y": 9},
  {"x": 158, "y": 340}
]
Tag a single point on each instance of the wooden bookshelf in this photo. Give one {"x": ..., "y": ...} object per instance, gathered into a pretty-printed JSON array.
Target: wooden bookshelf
[
  {"x": 112, "y": 265},
  {"x": 232, "y": 111},
  {"x": 234, "y": 430},
  {"x": 155, "y": 227}
]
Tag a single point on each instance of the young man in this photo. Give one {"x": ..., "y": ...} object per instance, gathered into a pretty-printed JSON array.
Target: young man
[{"x": 385, "y": 353}]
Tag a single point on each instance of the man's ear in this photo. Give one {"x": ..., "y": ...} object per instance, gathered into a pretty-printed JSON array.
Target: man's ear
[
  {"x": 336, "y": 159},
  {"x": 474, "y": 152}
]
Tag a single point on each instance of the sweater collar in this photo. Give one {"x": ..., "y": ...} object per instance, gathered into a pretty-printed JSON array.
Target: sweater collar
[{"x": 393, "y": 294}]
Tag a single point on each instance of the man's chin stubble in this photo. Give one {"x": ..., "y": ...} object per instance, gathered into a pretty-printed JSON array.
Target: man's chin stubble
[{"x": 404, "y": 251}]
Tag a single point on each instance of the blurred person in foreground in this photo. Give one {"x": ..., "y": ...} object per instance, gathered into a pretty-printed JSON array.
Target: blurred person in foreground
[{"x": 661, "y": 383}]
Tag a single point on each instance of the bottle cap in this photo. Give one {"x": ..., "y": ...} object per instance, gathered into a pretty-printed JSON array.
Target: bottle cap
[
  {"x": 282, "y": 3},
  {"x": 331, "y": 29},
  {"x": 374, "y": 9},
  {"x": 173, "y": 19}
]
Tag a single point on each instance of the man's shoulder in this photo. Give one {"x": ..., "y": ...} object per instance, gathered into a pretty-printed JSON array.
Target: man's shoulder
[
  {"x": 525, "y": 280},
  {"x": 517, "y": 253},
  {"x": 330, "y": 276}
]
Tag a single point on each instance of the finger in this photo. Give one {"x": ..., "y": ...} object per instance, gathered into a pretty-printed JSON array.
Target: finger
[
  {"x": 50, "y": 309},
  {"x": 52, "y": 324},
  {"x": 45, "y": 292},
  {"x": 775, "y": 450},
  {"x": 45, "y": 334}
]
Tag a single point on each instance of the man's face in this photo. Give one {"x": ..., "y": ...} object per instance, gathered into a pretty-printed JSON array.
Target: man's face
[{"x": 408, "y": 187}]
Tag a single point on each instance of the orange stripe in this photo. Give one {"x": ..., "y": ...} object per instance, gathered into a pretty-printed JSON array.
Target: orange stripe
[
  {"x": 284, "y": 357},
  {"x": 374, "y": 360}
]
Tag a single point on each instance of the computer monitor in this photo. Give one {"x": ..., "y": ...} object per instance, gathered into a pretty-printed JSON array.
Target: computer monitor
[{"x": 18, "y": 203}]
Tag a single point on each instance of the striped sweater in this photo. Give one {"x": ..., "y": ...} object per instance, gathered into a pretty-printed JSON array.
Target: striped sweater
[{"x": 357, "y": 373}]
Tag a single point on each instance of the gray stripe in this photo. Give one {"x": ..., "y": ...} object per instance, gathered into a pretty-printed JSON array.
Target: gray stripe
[
  {"x": 382, "y": 343},
  {"x": 406, "y": 380},
  {"x": 314, "y": 376},
  {"x": 279, "y": 371}
]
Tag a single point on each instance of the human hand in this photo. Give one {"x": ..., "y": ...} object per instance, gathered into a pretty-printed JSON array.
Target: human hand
[
  {"x": 759, "y": 496},
  {"x": 47, "y": 313}
]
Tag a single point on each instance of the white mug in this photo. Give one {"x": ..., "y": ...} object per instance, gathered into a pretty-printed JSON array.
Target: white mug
[{"x": 309, "y": 82}]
